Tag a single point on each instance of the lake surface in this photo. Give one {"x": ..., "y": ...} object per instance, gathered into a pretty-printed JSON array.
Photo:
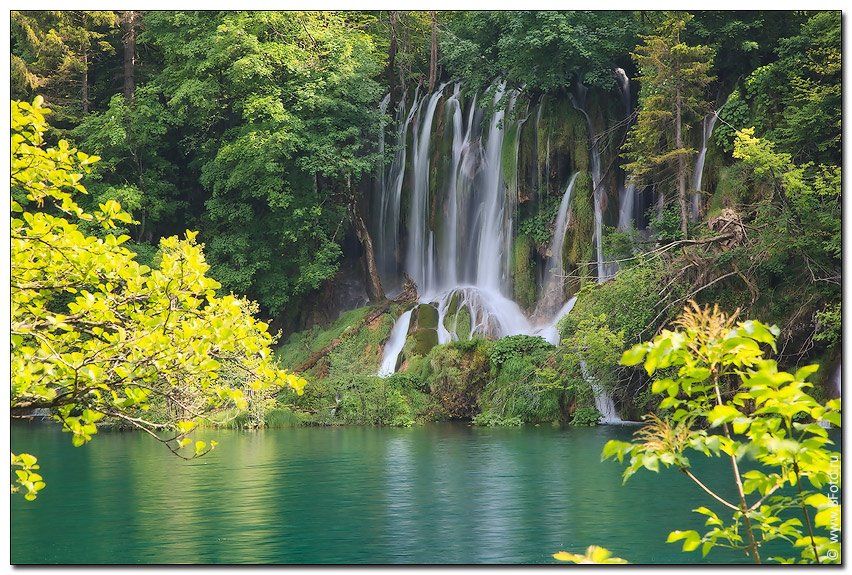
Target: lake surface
[{"x": 437, "y": 494}]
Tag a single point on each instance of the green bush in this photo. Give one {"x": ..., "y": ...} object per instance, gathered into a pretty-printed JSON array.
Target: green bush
[
  {"x": 456, "y": 374},
  {"x": 491, "y": 419},
  {"x": 520, "y": 389},
  {"x": 282, "y": 417},
  {"x": 516, "y": 346},
  {"x": 382, "y": 401},
  {"x": 586, "y": 417}
]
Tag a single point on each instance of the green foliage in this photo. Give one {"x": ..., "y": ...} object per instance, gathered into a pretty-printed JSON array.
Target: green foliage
[
  {"x": 491, "y": 419},
  {"x": 733, "y": 115},
  {"x": 95, "y": 333},
  {"x": 282, "y": 417},
  {"x": 665, "y": 224},
  {"x": 812, "y": 193},
  {"x": 523, "y": 388},
  {"x": 456, "y": 374},
  {"x": 715, "y": 375},
  {"x": 300, "y": 345},
  {"x": 55, "y": 53},
  {"x": 673, "y": 76},
  {"x": 516, "y": 347},
  {"x": 829, "y": 324},
  {"x": 797, "y": 98},
  {"x": 619, "y": 245},
  {"x": 522, "y": 385},
  {"x": 539, "y": 49},
  {"x": 26, "y": 478},
  {"x": 539, "y": 226},
  {"x": 134, "y": 139},
  {"x": 393, "y": 401},
  {"x": 627, "y": 301},
  {"x": 586, "y": 416},
  {"x": 524, "y": 272}
]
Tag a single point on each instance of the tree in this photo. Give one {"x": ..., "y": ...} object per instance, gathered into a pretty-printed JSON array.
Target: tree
[
  {"x": 54, "y": 55},
  {"x": 797, "y": 98},
  {"x": 541, "y": 50},
  {"x": 129, "y": 22},
  {"x": 713, "y": 374},
  {"x": 289, "y": 104},
  {"x": 672, "y": 78},
  {"x": 433, "y": 50},
  {"x": 96, "y": 334}
]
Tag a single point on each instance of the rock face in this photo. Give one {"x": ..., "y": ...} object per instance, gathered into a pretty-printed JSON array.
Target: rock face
[{"x": 423, "y": 332}]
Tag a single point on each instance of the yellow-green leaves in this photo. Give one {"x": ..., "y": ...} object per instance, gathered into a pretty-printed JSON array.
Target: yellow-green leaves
[
  {"x": 722, "y": 414},
  {"x": 760, "y": 414},
  {"x": 27, "y": 481},
  {"x": 593, "y": 555},
  {"x": 691, "y": 539},
  {"x": 111, "y": 337}
]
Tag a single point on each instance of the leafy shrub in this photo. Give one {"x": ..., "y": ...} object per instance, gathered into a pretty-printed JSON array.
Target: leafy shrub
[
  {"x": 520, "y": 389},
  {"x": 514, "y": 346},
  {"x": 724, "y": 381},
  {"x": 456, "y": 374},
  {"x": 373, "y": 400},
  {"x": 491, "y": 419},
  {"x": 281, "y": 417},
  {"x": 586, "y": 417}
]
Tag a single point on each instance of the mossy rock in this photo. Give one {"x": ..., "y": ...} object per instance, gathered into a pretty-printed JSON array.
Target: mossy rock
[
  {"x": 524, "y": 272},
  {"x": 421, "y": 342},
  {"x": 456, "y": 374},
  {"x": 425, "y": 317}
]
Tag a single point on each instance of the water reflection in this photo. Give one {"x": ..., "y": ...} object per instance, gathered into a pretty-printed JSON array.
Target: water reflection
[{"x": 443, "y": 493}]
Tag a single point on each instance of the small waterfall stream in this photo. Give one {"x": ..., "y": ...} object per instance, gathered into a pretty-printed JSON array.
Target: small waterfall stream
[
  {"x": 698, "y": 172},
  {"x": 552, "y": 288},
  {"x": 394, "y": 345},
  {"x": 627, "y": 194}
]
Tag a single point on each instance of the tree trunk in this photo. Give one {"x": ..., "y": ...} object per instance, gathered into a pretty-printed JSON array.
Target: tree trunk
[
  {"x": 371, "y": 269},
  {"x": 85, "y": 94},
  {"x": 392, "y": 49},
  {"x": 681, "y": 168},
  {"x": 128, "y": 23},
  {"x": 315, "y": 357},
  {"x": 433, "y": 54}
]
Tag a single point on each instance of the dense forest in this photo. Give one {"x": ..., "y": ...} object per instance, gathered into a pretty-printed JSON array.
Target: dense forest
[
  {"x": 268, "y": 134},
  {"x": 411, "y": 216}
]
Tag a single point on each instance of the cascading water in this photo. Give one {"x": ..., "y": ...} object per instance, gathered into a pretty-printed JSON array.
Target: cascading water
[
  {"x": 420, "y": 241},
  {"x": 628, "y": 192},
  {"x": 463, "y": 193},
  {"x": 387, "y": 224},
  {"x": 603, "y": 401},
  {"x": 697, "y": 174},
  {"x": 552, "y": 290},
  {"x": 394, "y": 345},
  {"x": 604, "y": 269}
]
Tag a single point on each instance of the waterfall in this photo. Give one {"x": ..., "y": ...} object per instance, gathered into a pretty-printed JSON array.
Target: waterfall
[
  {"x": 456, "y": 169},
  {"x": 603, "y": 400},
  {"x": 550, "y": 332},
  {"x": 604, "y": 270},
  {"x": 420, "y": 240},
  {"x": 490, "y": 271},
  {"x": 387, "y": 222},
  {"x": 707, "y": 127},
  {"x": 449, "y": 251},
  {"x": 551, "y": 295},
  {"x": 394, "y": 345}
]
